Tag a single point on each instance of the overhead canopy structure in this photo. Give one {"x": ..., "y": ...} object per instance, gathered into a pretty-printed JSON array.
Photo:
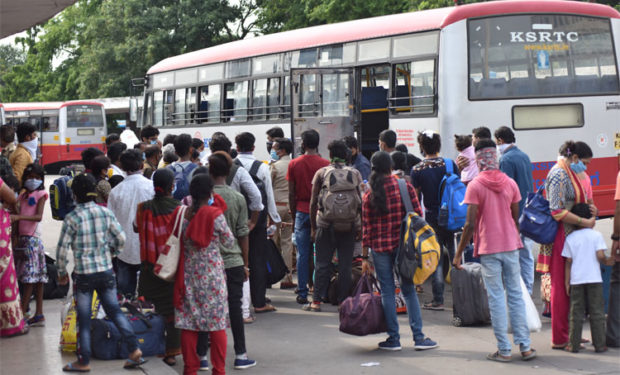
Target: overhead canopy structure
[{"x": 19, "y": 15}]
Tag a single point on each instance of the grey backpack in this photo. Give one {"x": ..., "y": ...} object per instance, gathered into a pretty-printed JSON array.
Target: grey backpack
[{"x": 339, "y": 200}]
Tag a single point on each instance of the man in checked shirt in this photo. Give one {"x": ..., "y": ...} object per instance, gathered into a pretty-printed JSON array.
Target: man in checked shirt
[{"x": 94, "y": 235}]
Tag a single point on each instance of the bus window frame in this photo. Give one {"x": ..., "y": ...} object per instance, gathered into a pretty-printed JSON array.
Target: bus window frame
[
  {"x": 538, "y": 96},
  {"x": 512, "y": 116},
  {"x": 409, "y": 114}
]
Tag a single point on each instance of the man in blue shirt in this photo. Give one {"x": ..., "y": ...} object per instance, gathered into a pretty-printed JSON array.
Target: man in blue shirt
[
  {"x": 517, "y": 165},
  {"x": 358, "y": 161}
]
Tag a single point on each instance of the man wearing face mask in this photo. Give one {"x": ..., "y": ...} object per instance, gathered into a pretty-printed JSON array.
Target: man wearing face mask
[
  {"x": 517, "y": 165},
  {"x": 272, "y": 135},
  {"x": 280, "y": 154},
  {"x": 150, "y": 135},
  {"x": 26, "y": 151}
]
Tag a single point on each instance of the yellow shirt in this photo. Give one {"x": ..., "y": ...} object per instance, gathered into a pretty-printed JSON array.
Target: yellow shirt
[{"x": 19, "y": 160}]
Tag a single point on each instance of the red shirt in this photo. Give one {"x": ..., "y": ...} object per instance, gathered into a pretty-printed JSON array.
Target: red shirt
[
  {"x": 381, "y": 233},
  {"x": 301, "y": 171}
]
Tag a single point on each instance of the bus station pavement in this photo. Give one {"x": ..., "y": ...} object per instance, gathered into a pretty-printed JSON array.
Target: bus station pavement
[{"x": 292, "y": 341}]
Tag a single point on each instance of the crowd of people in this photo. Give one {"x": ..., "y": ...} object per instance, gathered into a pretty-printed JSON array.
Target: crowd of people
[{"x": 228, "y": 205}]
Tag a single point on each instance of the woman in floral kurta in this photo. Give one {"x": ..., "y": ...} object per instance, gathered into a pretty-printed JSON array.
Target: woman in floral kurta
[
  {"x": 205, "y": 306},
  {"x": 200, "y": 293}
]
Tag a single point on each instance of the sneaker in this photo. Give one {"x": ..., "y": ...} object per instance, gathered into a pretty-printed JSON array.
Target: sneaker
[
  {"x": 204, "y": 365},
  {"x": 390, "y": 345},
  {"x": 241, "y": 364},
  {"x": 425, "y": 344},
  {"x": 37, "y": 321},
  {"x": 436, "y": 306}
]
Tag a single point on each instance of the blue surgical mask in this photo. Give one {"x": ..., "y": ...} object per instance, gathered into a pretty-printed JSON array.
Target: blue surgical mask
[
  {"x": 274, "y": 155},
  {"x": 154, "y": 141},
  {"x": 578, "y": 167},
  {"x": 210, "y": 201},
  {"x": 32, "y": 184}
]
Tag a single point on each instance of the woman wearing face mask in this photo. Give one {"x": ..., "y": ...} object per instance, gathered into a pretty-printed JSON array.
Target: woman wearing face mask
[
  {"x": 200, "y": 295},
  {"x": 564, "y": 190},
  {"x": 33, "y": 271}
]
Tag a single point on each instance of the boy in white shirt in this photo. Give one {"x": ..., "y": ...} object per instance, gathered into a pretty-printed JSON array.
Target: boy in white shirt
[{"x": 584, "y": 251}]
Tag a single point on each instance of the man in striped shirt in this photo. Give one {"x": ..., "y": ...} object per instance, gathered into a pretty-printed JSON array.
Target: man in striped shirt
[{"x": 94, "y": 235}]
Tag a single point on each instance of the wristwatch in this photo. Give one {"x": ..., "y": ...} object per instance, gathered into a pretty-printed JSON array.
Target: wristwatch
[{"x": 615, "y": 237}]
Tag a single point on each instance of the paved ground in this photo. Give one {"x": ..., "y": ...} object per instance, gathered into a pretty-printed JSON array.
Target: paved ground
[{"x": 292, "y": 341}]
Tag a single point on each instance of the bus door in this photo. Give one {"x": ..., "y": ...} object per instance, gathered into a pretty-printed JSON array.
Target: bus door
[
  {"x": 323, "y": 100},
  {"x": 374, "y": 113}
]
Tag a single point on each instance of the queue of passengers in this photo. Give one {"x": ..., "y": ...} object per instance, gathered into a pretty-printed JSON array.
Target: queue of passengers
[{"x": 128, "y": 200}]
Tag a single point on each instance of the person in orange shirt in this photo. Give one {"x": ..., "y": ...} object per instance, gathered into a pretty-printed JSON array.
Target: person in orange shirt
[{"x": 26, "y": 151}]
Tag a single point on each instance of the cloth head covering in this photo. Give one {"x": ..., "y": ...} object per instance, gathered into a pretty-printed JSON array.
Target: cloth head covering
[{"x": 486, "y": 159}]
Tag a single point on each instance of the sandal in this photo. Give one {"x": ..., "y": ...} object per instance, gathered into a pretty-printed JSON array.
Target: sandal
[
  {"x": 528, "y": 357},
  {"x": 69, "y": 368},
  {"x": 170, "y": 360},
  {"x": 314, "y": 307},
  {"x": 267, "y": 308},
  {"x": 131, "y": 364},
  {"x": 498, "y": 357},
  {"x": 570, "y": 349},
  {"x": 559, "y": 346}
]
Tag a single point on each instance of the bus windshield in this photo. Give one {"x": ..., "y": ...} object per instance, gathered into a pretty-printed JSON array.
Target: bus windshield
[
  {"x": 84, "y": 116},
  {"x": 540, "y": 55}
]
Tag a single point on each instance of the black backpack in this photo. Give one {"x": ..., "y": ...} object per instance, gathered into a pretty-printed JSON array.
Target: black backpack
[
  {"x": 51, "y": 289},
  {"x": 262, "y": 218}
]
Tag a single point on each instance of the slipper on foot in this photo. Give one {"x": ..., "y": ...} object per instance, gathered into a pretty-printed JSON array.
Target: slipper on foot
[
  {"x": 69, "y": 368},
  {"x": 530, "y": 356},
  {"x": 267, "y": 308},
  {"x": 130, "y": 364},
  {"x": 498, "y": 357}
]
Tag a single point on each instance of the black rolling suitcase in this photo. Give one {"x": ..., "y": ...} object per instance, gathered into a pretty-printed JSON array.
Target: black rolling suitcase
[{"x": 469, "y": 296}]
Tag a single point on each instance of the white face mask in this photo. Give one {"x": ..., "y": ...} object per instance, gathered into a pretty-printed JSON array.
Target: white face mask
[
  {"x": 31, "y": 146},
  {"x": 503, "y": 147}
]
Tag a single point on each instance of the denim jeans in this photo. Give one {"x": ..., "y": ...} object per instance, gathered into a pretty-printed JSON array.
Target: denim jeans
[
  {"x": 384, "y": 266},
  {"x": 304, "y": 249},
  {"x": 105, "y": 285},
  {"x": 127, "y": 278},
  {"x": 446, "y": 241},
  {"x": 499, "y": 270},
  {"x": 526, "y": 261}
]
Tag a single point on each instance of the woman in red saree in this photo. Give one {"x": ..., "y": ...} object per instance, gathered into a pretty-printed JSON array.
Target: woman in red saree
[
  {"x": 563, "y": 191},
  {"x": 11, "y": 317}
]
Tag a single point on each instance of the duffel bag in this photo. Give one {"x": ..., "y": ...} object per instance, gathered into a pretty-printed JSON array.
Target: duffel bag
[
  {"x": 362, "y": 314},
  {"x": 107, "y": 342}
]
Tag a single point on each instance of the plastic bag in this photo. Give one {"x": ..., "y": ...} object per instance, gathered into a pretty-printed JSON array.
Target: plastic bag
[
  {"x": 68, "y": 333},
  {"x": 531, "y": 314}
]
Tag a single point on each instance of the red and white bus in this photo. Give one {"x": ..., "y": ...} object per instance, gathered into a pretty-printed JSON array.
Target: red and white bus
[
  {"x": 65, "y": 128},
  {"x": 547, "y": 69}
]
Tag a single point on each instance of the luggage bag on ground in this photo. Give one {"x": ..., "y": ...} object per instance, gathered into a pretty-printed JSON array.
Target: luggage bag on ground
[
  {"x": 469, "y": 296},
  {"x": 107, "y": 342}
]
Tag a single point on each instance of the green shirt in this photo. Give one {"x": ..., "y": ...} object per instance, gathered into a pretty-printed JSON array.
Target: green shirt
[{"x": 237, "y": 219}]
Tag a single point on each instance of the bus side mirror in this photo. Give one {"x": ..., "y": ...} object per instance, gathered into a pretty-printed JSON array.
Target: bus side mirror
[{"x": 133, "y": 109}]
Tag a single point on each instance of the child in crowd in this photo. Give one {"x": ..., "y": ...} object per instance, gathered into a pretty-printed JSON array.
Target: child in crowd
[
  {"x": 584, "y": 249},
  {"x": 464, "y": 145},
  {"x": 34, "y": 270}
]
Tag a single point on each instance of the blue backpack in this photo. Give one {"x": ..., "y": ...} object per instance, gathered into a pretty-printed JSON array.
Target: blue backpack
[
  {"x": 182, "y": 179},
  {"x": 61, "y": 196},
  {"x": 452, "y": 210}
]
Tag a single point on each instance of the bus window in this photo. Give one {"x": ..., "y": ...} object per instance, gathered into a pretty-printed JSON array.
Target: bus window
[
  {"x": 273, "y": 98},
  {"x": 158, "y": 108},
  {"x": 286, "y": 100},
  {"x": 335, "y": 94},
  {"x": 236, "y": 101},
  {"x": 540, "y": 55},
  {"x": 190, "y": 104},
  {"x": 50, "y": 121},
  {"x": 79, "y": 116},
  {"x": 375, "y": 82},
  {"x": 414, "y": 87},
  {"x": 168, "y": 109},
  {"x": 259, "y": 98},
  {"x": 178, "y": 117},
  {"x": 209, "y": 106},
  {"x": 306, "y": 58},
  {"x": 308, "y": 105}
]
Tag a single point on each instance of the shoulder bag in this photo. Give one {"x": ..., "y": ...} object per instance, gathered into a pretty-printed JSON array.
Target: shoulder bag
[{"x": 168, "y": 260}]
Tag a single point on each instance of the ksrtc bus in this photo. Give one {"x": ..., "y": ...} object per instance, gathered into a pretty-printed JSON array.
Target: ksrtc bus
[
  {"x": 65, "y": 128},
  {"x": 547, "y": 69}
]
